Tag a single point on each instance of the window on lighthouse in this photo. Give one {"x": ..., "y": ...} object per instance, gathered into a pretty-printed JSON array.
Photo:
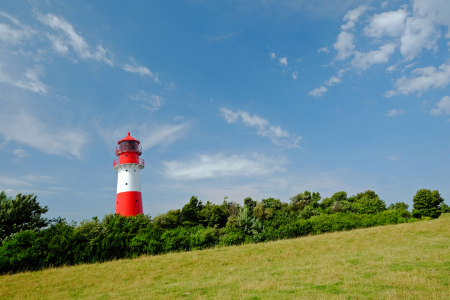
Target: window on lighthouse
[{"x": 128, "y": 146}]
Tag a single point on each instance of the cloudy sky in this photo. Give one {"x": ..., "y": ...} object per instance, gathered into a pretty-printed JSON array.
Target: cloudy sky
[{"x": 229, "y": 99}]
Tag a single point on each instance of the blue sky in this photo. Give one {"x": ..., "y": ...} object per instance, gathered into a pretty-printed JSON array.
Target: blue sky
[{"x": 229, "y": 99}]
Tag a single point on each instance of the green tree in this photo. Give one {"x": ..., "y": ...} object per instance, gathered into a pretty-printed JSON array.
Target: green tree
[
  {"x": 332, "y": 204},
  {"x": 21, "y": 213},
  {"x": 366, "y": 202},
  {"x": 250, "y": 203},
  {"x": 300, "y": 201},
  {"x": 4, "y": 198},
  {"x": 427, "y": 204},
  {"x": 169, "y": 220},
  {"x": 445, "y": 209},
  {"x": 190, "y": 212},
  {"x": 213, "y": 214},
  {"x": 398, "y": 205}
]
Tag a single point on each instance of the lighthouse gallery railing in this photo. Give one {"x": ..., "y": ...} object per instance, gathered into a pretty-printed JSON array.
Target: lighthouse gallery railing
[{"x": 116, "y": 162}]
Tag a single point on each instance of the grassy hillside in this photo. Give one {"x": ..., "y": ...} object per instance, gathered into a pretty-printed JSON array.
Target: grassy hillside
[{"x": 407, "y": 261}]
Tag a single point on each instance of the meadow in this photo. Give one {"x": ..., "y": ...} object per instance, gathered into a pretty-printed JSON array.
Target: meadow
[{"x": 404, "y": 261}]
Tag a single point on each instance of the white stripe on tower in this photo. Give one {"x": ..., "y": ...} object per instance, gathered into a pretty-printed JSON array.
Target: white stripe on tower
[{"x": 129, "y": 179}]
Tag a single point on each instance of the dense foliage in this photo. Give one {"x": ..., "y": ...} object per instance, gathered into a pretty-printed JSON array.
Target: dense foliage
[
  {"x": 427, "y": 204},
  {"x": 29, "y": 246},
  {"x": 22, "y": 213}
]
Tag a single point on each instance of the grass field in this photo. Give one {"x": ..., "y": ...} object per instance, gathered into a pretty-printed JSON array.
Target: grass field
[{"x": 407, "y": 261}]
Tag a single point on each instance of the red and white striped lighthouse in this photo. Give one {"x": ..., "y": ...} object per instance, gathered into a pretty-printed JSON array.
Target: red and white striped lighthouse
[{"x": 129, "y": 166}]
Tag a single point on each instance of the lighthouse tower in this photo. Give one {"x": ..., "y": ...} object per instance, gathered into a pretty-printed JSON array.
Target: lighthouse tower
[{"x": 129, "y": 166}]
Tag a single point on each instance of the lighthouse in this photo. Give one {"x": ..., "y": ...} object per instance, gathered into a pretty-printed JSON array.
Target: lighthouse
[{"x": 129, "y": 166}]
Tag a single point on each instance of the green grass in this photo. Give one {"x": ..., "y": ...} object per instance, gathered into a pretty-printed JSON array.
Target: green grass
[{"x": 406, "y": 261}]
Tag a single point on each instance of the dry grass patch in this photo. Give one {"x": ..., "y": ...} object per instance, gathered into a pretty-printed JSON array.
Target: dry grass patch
[{"x": 406, "y": 261}]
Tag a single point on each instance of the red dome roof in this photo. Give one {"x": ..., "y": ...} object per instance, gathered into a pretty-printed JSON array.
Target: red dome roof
[{"x": 128, "y": 138}]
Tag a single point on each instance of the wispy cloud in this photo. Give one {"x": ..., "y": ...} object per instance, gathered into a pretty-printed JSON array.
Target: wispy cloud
[
  {"x": 421, "y": 80},
  {"x": 394, "y": 112},
  {"x": 141, "y": 70},
  {"x": 324, "y": 50},
  {"x": 215, "y": 166},
  {"x": 69, "y": 37},
  {"x": 151, "y": 102},
  {"x": 353, "y": 16},
  {"x": 149, "y": 135},
  {"x": 336, "y": 79},
  {"x": 27, "y": 129},
  {"x": 263, "y": 127},
  {"x": 317, "y": 92},
  {"x": 14, "y": 34},
  {"x": 20, "y": 153},
  {"x": 30, "y": 80},
  {"x": 442, "y": 107},
  {"x": 222, "y": 37}
]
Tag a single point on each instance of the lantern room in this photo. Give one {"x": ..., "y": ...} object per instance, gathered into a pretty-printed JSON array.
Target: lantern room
[{"x": 128, "y": 150}]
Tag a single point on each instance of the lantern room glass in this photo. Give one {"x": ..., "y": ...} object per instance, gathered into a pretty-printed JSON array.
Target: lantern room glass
[{"x": 129, "y": 146}]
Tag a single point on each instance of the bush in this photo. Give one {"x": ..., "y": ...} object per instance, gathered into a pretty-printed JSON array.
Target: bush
[
  {"x": 199, "y": 226},
  {"x": 20, "y": 214},
  {"x": 427, "y": 204}
]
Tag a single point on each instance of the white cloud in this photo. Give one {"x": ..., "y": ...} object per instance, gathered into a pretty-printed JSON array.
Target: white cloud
[
  {"x": 16, "y": 35},
  {"x": 143, "y": 71},
  {"x": 8, "y": 181},
  {"x": 336, "y": 79},
  {"x": 394, "y": 112},
  {"x": 392, "y": 158},
  {"x": 229, "y": 115},
  {"x": 275, "y": 133},
  {"x": 295, "y": 75},
  {"x": 283, "y": 61},
  {"x": 162, "y": 134},
  {"x": 317, "y": 92},
  {"x": 365, "y": 60},
  {"x": 71, "y": 37},
  {"x": 384, "y": 5},
  {"x": 214, "y": 166},
  {"x": 58, "y": 44},
  {"x": 149, "y": 135},
  {"x": 391, "y": 68},
  {"x": 422, "y": 79},
  {"x": 20, "y": 153},
  {"x": 253, "y": 121},
  {"x": 439, "y": 10},
  {"x": 30, "y": 80},
  {"x": 272, "y": 55},
  {"x": 222, "y": 37},
  {"x": 410, "y": 65},
  {"x": 13, "y": 36},
  {"x": 152, "y": 102},
  {"x": 26, "y": 129},
  {"x": 344, "y": 45},
  {"x": 443, "y": 107},
  {"x": 353, "y": 16},
  {"x": 391, "y": 23},
  {"x": 420, "y": 33},
  {"x": 324, "y": 49}
]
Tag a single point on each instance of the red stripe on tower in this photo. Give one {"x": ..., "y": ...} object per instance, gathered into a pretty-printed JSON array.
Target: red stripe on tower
[{"x": 129, "y": 166}]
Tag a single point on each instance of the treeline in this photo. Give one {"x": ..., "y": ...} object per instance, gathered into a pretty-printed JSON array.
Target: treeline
[{"x": 32, "y": 242}]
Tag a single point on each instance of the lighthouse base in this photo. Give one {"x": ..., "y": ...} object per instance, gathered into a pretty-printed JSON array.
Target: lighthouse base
[{"x": 129, "y": 204}]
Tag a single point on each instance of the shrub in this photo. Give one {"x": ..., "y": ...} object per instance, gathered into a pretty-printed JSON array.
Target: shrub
[
  {"x": 169, "y": 220},
  {"x": 445, "y": 209},
  {"x": 426, "y": 204},
  {"x": 20, "y": 214}
]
